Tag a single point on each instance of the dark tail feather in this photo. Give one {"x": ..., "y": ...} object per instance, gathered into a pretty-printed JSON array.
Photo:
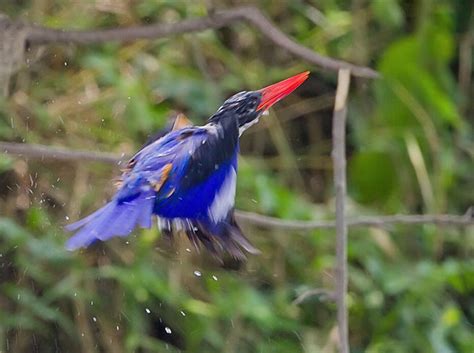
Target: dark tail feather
[
  {"x": 225, "y": 237},
  {"x": 114, "y": 219},
  {"x": 238, "y": 236}
]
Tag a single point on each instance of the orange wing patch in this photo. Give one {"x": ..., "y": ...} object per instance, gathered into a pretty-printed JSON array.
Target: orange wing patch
[
  {"x": 165, "y": 171},
  {"x": 181, "y": 121}
]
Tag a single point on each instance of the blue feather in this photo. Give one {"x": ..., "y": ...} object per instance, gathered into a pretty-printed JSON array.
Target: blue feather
[
  {"x": 114, "y": 219},
  {"x": 195, "y": 201}
]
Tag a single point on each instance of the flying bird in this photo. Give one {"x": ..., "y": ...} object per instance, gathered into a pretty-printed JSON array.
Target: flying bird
[{"x": 187, "y": 178}]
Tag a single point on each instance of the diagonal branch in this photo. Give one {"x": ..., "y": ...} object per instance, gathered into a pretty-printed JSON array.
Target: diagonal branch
[{"x": 218, "y": 19}]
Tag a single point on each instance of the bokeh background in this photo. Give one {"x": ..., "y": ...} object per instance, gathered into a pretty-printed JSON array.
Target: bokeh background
[{"x": 410, "y": 150}]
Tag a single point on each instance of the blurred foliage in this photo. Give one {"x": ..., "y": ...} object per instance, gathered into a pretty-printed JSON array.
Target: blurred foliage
[{"x": 410, "y": 150}]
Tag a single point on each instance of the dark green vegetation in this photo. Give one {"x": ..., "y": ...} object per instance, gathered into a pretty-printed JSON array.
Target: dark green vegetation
[{"x": 410, "y": 150}]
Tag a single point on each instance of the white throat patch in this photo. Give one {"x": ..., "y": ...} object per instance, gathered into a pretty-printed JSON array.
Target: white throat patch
[{"x": 246, "y": 126}]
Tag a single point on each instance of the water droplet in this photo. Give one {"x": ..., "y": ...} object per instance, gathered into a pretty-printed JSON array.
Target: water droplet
[
  {"x": 197, "y": 273},
  {"x": 168, "y": 330},
  {"x": 148, "y": 311}
]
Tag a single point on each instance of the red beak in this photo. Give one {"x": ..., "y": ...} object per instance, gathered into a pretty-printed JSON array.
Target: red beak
[{"x": 278, "y": 91}]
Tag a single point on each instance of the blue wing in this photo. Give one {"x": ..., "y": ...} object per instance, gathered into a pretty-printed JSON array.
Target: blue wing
[{"x": 141, "y": 182}]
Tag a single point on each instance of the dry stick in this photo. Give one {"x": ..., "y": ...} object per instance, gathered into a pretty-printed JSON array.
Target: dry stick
[
  {"x": 57, "y": 153},
  {"x": 363, "y": 221},
  {"x": 339, "y": 157},
  {"x": 252, "y": 15},
  {"x": 42, "y": 152}
]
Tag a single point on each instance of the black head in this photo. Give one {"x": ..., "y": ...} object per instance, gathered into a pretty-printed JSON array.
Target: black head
[
  {"x": 246, "y": 107},
  {"x": 241, "y": 106}
]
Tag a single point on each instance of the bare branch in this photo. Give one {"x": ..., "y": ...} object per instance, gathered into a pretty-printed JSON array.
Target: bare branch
[
  {"x": 42, "y": 152},
  {"x": 57, "y": 153},
  {"x": 363, "y": 221},
  {"x": 252, "y": 15},
  {"x": 339, "y": 158}
]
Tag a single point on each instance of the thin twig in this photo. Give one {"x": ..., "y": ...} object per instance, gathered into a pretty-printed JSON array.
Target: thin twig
[
  {"x": 252, "y": 15},
  {"x": 339, "y": 158},
  {"x": 363, "y": 221},
  {"x": 42, "y": 152},
  {"x": 325, "y": 294}
]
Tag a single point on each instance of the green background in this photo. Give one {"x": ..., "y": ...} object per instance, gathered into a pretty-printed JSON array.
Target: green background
[{"x": 410, "y": 150}]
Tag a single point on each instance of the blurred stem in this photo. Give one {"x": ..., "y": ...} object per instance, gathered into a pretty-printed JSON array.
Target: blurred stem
[
  {"x": 429, "y": 129},
  {"x": 420, "y": 114},
  {"x": 419, "y": 165}
]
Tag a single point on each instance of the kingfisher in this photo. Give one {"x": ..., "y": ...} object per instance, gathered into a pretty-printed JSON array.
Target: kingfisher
[{"x": 187, "y": 179}]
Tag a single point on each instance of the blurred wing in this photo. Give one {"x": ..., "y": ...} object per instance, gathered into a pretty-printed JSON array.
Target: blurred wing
[
  {"x": 142, "y": 184},
  {"x": 153, "y": 165}
]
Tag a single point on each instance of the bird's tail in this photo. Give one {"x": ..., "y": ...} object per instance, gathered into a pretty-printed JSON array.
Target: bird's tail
[
  {"x": 224, "y": 237},
  {"x": 117, "y": 218}
]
